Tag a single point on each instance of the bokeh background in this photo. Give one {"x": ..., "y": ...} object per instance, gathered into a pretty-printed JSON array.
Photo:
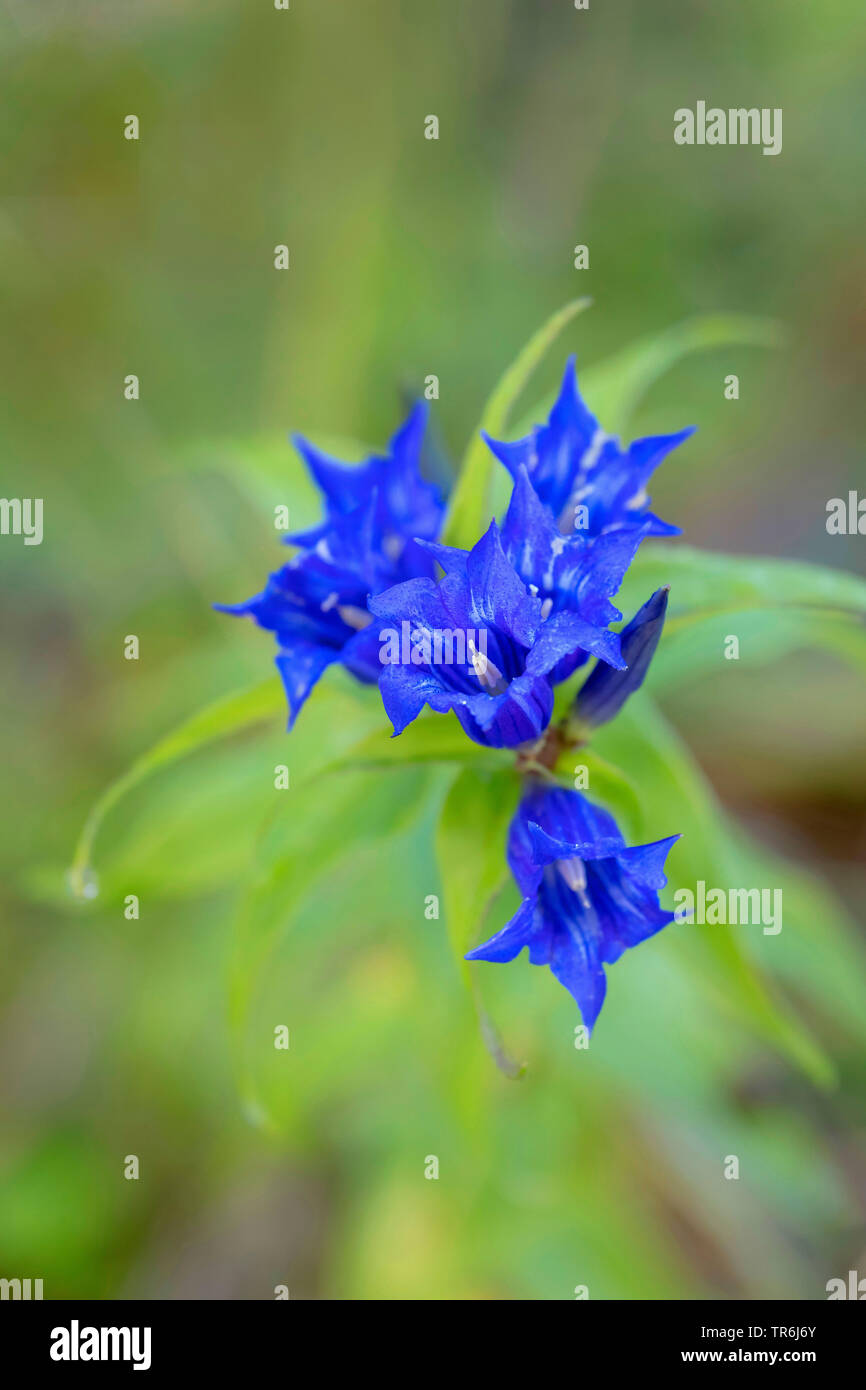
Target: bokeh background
[{"x": 408, "y": 257}]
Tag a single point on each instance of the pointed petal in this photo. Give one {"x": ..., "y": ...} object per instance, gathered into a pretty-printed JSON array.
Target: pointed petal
[
  {"x": 646, "y": 862},
  {"x": 406, "y": 690},
  {"x": 448, "y": 556},
  {"x": 602, "y": 571},
  {"x": 515, "y": 455},
  {"x": 576, "y": 964},
  {"x": 510, "y": 941},
  {"x": 300, "y": 667},
  {"x": 530, "y": 537},
  {"x": 646, "y": 454},
  {"x": 407, "y": 439},
  {"x": 570, "y": 414},
  {"x": 566, "y": 633},
  {"x": 499, "y": 597},
  {"x": 344, "y": 486},
  {"x": 605, "y": 691}
]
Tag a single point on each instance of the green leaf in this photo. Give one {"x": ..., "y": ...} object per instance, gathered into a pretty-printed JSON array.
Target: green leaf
[
  {"x": 333, "y": 717},
  {"x": 470, "y": 851},
  {"x": 773, "y": 606},
  {"x": 470, "y": 848},
  {"x": 615, "y": 387},
  {"x": 818, "y": 952},
  {"x": 703, "y": 583},
  {"x": 295, "y": 848},
  {"x": 225, "y": 716},
  {"x": 468, "y": 511},
  {"x": 764, "y": 635}
]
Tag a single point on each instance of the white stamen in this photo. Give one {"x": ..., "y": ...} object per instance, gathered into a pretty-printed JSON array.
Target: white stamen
[
  {"x": 557, "y": 545},
  {"x": 574, "y": 873},
  {"x": 597, "y": 443},
  {"x": 546, "y": 608},
  {"x": 566, "y": 518},
  {"x": 489, "y": 675},
  {"x": 329, "y": 602},
  {"x": 393, "y": 545},
  {"x": 353, "y": 616}
]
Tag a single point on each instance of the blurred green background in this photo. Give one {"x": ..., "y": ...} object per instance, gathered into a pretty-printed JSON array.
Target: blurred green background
[{"x": 408, "y": 257}]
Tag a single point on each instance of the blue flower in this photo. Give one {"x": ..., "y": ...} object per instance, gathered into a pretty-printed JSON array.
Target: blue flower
[
  {"x": 481, "y": 645},
  {"x": 582, "y": 475},
  {"x": 604, "y": 692},
  {"x": 586, "y": 897},
  {"x": 407, "y": 505},
  {"x": 377, "y": 516}
]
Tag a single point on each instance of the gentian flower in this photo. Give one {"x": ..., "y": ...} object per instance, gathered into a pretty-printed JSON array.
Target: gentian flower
[
  {"x": 573, "y": 464},
  {"x": 586, "y": 897},
  {"x": 377, "y": 516},
  {"x": 499, "y": 682},
  {"x": 604, "y": 692},
  {"x": 407, "y": 505}
]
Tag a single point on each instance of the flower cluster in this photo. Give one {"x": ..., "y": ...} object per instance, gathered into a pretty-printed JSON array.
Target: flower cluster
[
  {"x": 538, "y": 590},
  {"x": 377, "y": 517}
]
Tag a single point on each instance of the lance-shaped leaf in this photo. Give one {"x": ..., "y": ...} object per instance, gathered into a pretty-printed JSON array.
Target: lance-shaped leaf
[{"x": 470, "y": 851}]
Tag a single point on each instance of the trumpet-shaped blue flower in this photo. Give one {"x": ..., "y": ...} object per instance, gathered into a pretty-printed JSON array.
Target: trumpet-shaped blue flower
[
  {"x": 377, "y": 516},
  {"x": 586, "y": 897},
  {"x": 499, "y": 682},
  {"x": 582, "y": 475},
  {"x": 604, "y": 692}
]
